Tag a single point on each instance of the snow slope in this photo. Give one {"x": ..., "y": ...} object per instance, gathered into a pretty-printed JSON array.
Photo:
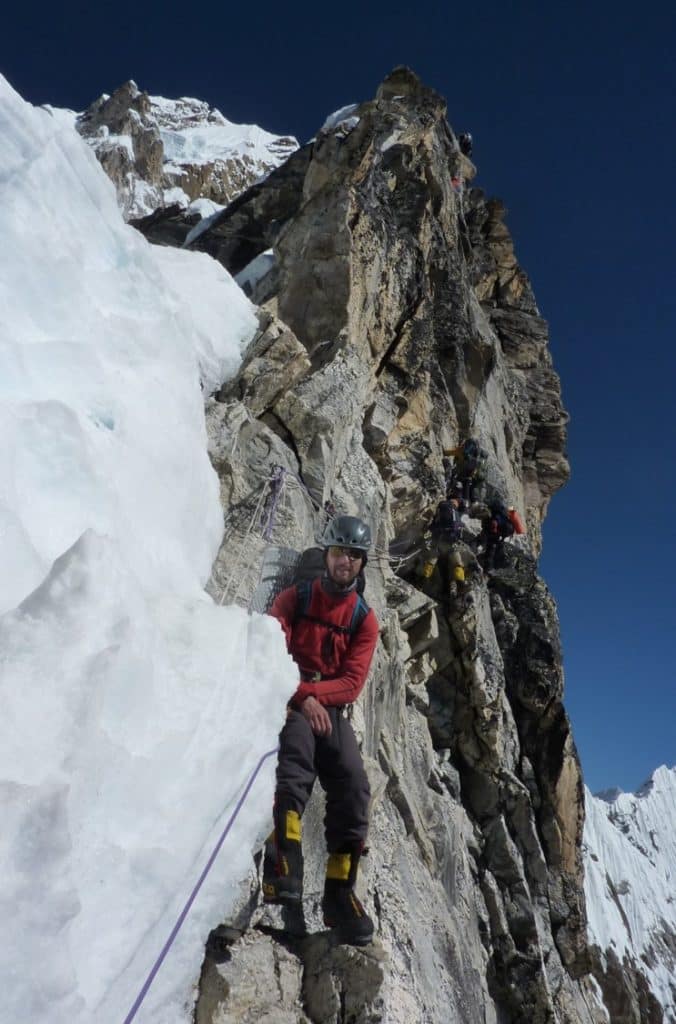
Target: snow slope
[
  {"x": 194, "y": 133},
  {"x": 630, "y": 879},
  {"x": 134, "y": 709}
]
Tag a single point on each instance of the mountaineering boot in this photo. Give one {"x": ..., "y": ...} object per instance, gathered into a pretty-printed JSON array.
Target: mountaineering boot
[
  {"x": 428, "y": 568},
  {"x": 459, "y": 583},
  {"x": 283, "y": 860},
  {"x": 340, "y": 906}
]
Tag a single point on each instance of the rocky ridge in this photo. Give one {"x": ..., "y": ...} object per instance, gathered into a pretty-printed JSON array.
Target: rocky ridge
[
  {"x": 179, "y": 154},
  {"x": 394, "y": 321}
]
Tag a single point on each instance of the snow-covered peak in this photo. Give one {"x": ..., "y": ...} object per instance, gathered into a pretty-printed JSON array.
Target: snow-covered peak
[
  {"x": 657, "y": 795},
  {"x": 630, "y": 886},
  {"x": 662, "y": 780},
  {"x": 184, "y": 112},
  {"x": 194, "y": 132},
  {"x": 339, "y": 116},
  {"x": 608, "y": 795},
  {"x": 161, "y": 151}
]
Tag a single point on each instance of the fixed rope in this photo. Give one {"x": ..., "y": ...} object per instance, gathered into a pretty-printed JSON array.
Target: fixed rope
[
  {"x": 263, "y": 522},
  {"x": 276, "y": 487},
  {"x": 198, "y": 885},
  {"x": 246, "y": 553},
  {"x": 321, "y": 513}
]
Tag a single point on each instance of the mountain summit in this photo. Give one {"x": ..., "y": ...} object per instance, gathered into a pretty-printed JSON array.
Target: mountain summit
[{"x": 161, "y": 152}]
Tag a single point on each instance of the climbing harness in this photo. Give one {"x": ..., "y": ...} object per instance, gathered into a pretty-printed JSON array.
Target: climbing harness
[{"x": 198, "y": 885}]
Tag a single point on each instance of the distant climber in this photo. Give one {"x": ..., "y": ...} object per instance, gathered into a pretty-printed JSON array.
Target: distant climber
[
  {"x": 455, "y": 491},
  {"x": 469, "y": 467},
  {"x": 498, "y": 525},
  {"x": 446, "y": 549},
  {"x": 447, "y": 521},
  {"x": 331, "y": 633},
  {"x": 440, "y": 539},
  {"x": 466, "y": 143}
]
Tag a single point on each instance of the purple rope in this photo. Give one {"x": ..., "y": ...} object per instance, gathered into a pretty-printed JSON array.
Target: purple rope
[{"x": 191, "y": 899}]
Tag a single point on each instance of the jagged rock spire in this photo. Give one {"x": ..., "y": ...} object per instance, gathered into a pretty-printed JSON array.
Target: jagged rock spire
[{"x": 400, "y": 321}]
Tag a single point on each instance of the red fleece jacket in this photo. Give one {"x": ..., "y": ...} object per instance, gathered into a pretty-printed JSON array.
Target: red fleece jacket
[{"x": 342, "y": 660}]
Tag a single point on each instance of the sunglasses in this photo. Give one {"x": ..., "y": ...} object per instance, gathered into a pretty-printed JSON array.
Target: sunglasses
[{"x": 354, "y": 556}]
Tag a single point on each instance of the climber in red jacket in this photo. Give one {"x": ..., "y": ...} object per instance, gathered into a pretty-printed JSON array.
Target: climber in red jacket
[
  {"x": 501, "y": 523},
  {"x": 331, "y": 634}
]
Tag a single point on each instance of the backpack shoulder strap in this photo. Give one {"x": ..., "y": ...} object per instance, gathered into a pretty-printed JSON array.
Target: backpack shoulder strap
[
  {"x": 303, "y": 598},
  {"x": 361, "y": 610}
]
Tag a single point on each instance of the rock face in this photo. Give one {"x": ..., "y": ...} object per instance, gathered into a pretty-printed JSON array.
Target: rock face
[
  {"x": 398, "y": 322},
  {"x": 161, "y": 153}
]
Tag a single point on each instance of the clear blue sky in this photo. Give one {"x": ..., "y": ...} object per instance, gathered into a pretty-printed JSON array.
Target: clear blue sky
[{"x": 572, "y": 112}]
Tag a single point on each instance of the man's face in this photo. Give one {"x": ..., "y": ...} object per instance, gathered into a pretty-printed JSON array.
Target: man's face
[{"x": 343, "y": 565}]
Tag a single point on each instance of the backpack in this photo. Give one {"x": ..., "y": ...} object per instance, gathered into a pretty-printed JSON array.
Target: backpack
[
  {"x": 516, "y": 521},
  {"x": 504, "y": 527},
  {"x": 473, "y": 455},
  {"x": 310, "y": 565},
  {"x": 446, "y": 519},
  {"x": 470, "y": 448}
]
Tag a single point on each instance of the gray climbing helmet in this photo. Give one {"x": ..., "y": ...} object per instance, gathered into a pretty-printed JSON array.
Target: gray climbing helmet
[{"x": 347, "y": 532}]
